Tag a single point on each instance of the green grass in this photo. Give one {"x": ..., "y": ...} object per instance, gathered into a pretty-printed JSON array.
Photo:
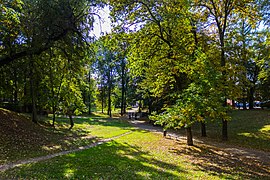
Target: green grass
[
  {"x": 27, "y": 140},
  {"x": 146, "y": 155},
  {"x": 98, "y": 126},
  {"x": 140, "y": 155},
  {"x": 247, "y": 128}
]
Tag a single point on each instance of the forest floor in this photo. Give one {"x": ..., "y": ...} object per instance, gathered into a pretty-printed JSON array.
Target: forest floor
[{"x": 24, "y": 143}]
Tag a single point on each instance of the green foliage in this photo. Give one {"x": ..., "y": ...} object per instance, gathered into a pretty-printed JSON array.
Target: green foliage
[{"x": 200, "y": 101}]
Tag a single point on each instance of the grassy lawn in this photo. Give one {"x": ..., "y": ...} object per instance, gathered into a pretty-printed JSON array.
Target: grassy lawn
[
  {"x": 249, "y": 129},
  {"x": 20, "y": 139},
  {"x": 140, "y": 155},
  {"x": 147, "y": 155}
]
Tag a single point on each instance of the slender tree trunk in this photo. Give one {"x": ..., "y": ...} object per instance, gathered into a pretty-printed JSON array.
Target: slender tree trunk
[
  {"x": 102, "y": 99},
  {"x": 33, "y": 93},
  {"x": 109, "y": 111},
  {"x": 16, "y": 87},
  {"x": 203, "y": 129},
  {"x": 251, "y": 97},
  {"x": 71, "y": 120},
  {"x": 125, "y": 95},
  {"x": 140, "y": 106},
  {"x": 233, "y": 103},
  {"x": 189, "y": 136},
  {"x": 25, "y": 109},
  {"x": 54, "y": 109},
  {"x": 150, "y": 105},
  {"x": 123, "y": 98},
  {"x": 164, "y": 133},
  {"x": 123, "y": 87},
  {"x": 109, "y": 95},
  {"x": 34, "y": 107},
  {"x": 223, "y": 64},
  {"x": 224, "y": 130},
  {"x": 244, "y": 104},
  {"x": 89, "y": 93}
]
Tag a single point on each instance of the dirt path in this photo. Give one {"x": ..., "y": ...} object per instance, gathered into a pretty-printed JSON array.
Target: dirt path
[
  {"x": 230, "y": 150},
  {"x": 42, "y": 158}
]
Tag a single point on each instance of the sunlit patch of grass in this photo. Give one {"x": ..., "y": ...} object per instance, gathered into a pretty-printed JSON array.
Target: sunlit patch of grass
[
  {"x": 69, "y": 172},
  {"x": 248, "y": 128},
  {"x": 265, "y": 128},
  {"x": 245, "y": 134},
  {"x": 139, "y": 155},
  {"x": 51, "y": 148}
]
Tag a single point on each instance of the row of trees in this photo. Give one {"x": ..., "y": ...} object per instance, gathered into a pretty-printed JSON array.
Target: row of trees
[
  {"x": 192, "y": 56},
  {"x": 50, "y": 63},
  {"x": 44, "y": 54},
  {"x": 180, "y": 59}
]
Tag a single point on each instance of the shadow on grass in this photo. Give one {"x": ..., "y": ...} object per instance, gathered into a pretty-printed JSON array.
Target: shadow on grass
[
  {"x": 248, "y": 128},
  {"x": 217, "y": 162},
  {"x": 21, "y": 139},
  {"x": 108, "y": 161}
]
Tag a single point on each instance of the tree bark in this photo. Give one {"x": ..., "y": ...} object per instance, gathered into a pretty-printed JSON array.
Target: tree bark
[
  {"x": 33, "y": 93},
  {"x": 123, "y": 86},
  {"x": 244, "y": 104},
  {"x": 251, "y": 97},
  {"x": 71, "y": 120},
  {"x": 54, "y": 109},
  {"x": 89, "y": 93},
  {"x": 15, "y": 87},
  {"x": 224, "y": 130},
  {"x": 203, "y": 129},
  {"x": 189, "y": 136},
  {"x": 109, "y": 94},
  {"x": 102, "y": 99}
]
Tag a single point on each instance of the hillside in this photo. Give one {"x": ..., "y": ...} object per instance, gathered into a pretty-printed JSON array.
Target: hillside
[{"x": 18, "y": 133}]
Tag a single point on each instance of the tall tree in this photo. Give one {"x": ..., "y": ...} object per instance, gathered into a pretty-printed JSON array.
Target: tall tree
[
  {"x": 220, "y": 13},
  {"x": 50, "y": 22}
]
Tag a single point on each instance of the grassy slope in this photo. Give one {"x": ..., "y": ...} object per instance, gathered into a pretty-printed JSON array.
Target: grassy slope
[
  {"x": 21, "y": 139},
  {"x": 144, "y": 155},
  {"x": 249, "y": 129},
  {"x": 141, "y": 155}
]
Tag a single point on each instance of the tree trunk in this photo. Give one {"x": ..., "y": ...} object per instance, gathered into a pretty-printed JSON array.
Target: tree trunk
[
  {"x": 16, "y": 87},
  {"x": 123, "y": 87},
  {"x": 54, "y": 109},
  {"x": 244, "y": 104},
  {"x": 109, "y": 94},
  {"x": 223, "y": 63},
  {"x": 71, "y": 120},
  {"x": 251, "y": 97},
  {"x": 224, "y": 130},
  {"x": 164, "y": 133},
  {"x": 233, "y": 103},
  {"x": 189, "y": 136},
  {"x": 25, "y": 105},
  {"x": 109, "y": 112},
  {"x": 203, "y": 129},
  {"x": 89, "y": 93},
  {"x": 102, "y": 99},
  {"x": 33, "y": 94}
]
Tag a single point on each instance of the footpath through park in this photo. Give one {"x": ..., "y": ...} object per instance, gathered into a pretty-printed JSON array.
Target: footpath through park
[
  {"x": 43, "y": 158},
  {"x": 230, "y": 150}
]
